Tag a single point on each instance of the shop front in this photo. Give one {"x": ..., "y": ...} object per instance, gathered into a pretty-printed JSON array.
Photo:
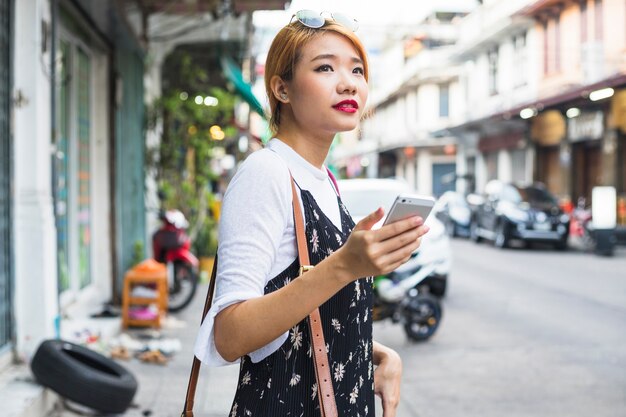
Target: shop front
[
  {"x": 585, "y": 133},
  {"x": 552, "y": 154}
]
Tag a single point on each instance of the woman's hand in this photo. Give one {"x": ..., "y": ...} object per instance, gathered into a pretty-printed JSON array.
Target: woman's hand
[
  {"x": 377, "y": 252},
  {"x": 387, "y": 378}
]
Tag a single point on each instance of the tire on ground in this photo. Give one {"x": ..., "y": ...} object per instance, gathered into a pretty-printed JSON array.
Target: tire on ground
[{"x": 84, "y": 376}]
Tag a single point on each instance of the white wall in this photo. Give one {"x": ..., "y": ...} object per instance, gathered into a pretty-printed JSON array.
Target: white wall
[{"x": 35, "y": 236}]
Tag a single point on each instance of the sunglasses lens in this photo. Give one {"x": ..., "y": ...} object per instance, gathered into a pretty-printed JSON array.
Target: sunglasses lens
[
  {"x": 346, "y": 21},
  {"x": 310, "y": 18}
]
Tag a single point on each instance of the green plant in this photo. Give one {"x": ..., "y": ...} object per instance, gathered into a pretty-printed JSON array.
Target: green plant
[
  {"x": 205, "y": 244},
  {"x": 138, "y": 252},
  {"x": 180, "y": 163}
]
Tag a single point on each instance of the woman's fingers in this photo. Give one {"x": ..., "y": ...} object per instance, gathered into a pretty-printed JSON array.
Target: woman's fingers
[
  {"x": 405, "y": 238},
  {"x": 390, "y": 230},
  {"x": 370, "y": 220}
]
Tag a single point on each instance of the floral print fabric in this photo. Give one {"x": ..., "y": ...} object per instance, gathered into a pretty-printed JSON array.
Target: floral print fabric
[{"x": 284, "y": 384}]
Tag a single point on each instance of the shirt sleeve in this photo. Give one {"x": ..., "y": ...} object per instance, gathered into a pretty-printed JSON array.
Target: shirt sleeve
[{"x": 255, "y": 212}]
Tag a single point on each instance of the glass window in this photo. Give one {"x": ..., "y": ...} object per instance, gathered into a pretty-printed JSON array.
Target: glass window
[
  {"x": 493, "y": 71},
  {"x": 72, "y": 179},
  {"x": 519, "y": 59},
  {"x": 444, "y": 100}
]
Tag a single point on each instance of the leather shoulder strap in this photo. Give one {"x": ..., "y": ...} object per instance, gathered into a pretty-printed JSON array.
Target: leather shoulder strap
[
  {"x": 195, "y": 367},
  {"x": 325, "y": 392}
]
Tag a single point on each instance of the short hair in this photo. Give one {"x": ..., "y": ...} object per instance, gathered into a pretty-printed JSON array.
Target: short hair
[{"x": 284, "y": 53}]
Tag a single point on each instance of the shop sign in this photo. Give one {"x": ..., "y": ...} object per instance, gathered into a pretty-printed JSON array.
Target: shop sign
[
  {"x": 618, "y": 111},
  {"x": 548, "y": 128},
  {"x": 587, "y": 126}
]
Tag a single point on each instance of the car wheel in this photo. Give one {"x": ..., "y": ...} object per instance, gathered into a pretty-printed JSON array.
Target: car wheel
[
  {"x": 474, "y": 234},
  {"x": 502, "y": 237},
  {"x": 561, "y": 244}
]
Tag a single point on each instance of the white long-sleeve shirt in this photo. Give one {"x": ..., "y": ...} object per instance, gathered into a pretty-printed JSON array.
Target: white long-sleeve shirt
[{"x": 257, "y": 236}]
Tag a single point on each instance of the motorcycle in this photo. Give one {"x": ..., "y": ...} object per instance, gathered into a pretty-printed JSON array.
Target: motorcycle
[
  {"x": 581, "y": 225},
  {"x": 171, "y": 245},
  {"x": 403, "y": 296}
]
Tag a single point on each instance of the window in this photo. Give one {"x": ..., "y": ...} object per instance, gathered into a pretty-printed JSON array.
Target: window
[
  {"x": 444, "y": 100},
  {"x": 557, "y": 43},
  {"x": 493, "y": 71},
  {"x": 546, "y": 48},
  {"x": 73, "y": 166},
  {"x": 583, "y": 21},
  {"x": 598, "y": 10},
  {"x": 519, "y": 59}
]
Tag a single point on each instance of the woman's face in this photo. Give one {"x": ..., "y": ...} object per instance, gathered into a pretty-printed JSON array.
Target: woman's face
[{"x": 328, "y": 90}]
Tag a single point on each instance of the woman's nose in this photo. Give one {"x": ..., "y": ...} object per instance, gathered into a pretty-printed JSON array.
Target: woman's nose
[{"x": 346, "y": 85}]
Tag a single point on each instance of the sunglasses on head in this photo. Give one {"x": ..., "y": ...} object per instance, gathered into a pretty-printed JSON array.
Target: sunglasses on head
[{"x": 315, "y": 20}]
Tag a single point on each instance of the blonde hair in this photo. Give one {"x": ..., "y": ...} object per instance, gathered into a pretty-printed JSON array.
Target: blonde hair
[{"x": 285, "y": 52}]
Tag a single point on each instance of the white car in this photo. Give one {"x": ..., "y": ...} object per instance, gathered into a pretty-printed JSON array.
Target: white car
[{"x": 363, "y": 196}]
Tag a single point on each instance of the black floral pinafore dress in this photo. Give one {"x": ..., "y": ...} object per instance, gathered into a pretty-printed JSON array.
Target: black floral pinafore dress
[{"x": 283, "y": 384}]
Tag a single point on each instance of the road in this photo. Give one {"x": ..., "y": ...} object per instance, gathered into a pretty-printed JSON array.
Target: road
[{"x": 525, "y": 333}]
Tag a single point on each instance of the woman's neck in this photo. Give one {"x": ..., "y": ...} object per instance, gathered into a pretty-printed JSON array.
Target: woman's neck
[{"x": 312, "y": 147}]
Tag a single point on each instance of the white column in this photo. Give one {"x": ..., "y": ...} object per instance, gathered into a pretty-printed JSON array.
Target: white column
[
  {"x": 505, "y": 166},
  {"x": 36, "y": 287},
  {"x": 424, "y": 172}
]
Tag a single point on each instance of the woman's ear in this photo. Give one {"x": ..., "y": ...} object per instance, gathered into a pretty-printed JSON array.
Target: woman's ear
[{"x": 279, "y": 89}]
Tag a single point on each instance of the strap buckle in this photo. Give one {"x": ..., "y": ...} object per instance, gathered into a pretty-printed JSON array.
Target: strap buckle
[{"x": 305, "y": 268}]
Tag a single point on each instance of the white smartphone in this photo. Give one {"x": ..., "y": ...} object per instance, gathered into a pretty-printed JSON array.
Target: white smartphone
[{"x": 409, "y": 205}]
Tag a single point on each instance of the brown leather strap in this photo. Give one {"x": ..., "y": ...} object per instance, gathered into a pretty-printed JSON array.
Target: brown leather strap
[
  {"x": 195, "y": 367},
  {"x": 325, "y": 393}
]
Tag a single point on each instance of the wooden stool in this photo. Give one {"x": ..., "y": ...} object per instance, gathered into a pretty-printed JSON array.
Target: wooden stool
[{"x": 149, "y": 273}]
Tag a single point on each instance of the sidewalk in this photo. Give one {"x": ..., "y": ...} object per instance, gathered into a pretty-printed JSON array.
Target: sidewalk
[{"x": 162, "y": 388}]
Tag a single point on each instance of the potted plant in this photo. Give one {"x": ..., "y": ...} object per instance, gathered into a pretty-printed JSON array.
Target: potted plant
[{"x": 205, "y": 245}]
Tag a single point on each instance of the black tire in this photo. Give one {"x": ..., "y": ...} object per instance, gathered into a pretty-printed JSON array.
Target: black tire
[
  {"x": 474, "y": 234},
  {"x": 422, "y": 317},
  {"x": 502, "y": 239},
  {"x": 84, "y": 376},
  {"x": 561, "y": 245},
  {"x": 183, "y": 288}
]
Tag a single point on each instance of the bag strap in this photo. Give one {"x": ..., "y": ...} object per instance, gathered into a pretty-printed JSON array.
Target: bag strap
[
  {"x": 195, "y": 367},
  {"x": 325, "y": 394}
]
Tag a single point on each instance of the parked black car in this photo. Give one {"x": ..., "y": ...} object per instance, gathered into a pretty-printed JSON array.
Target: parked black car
[
  {"x": 526, "y": 213},
  {"x": 454, "y": 212}
]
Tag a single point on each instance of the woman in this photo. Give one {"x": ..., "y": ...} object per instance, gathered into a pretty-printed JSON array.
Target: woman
[{"x": 316, "y": 80}]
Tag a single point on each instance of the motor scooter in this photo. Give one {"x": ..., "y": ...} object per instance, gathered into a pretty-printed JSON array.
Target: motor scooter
[
  {"x": 581, "y": 226},
  {"x": 171, "y": 245},
  {"x": 403, "y": 296}
]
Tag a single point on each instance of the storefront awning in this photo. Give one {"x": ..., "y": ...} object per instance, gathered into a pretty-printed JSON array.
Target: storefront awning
[{"x": 242, "y": 88}]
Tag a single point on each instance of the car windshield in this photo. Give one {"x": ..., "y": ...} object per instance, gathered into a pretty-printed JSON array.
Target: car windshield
[
  {"x": 363, "y": 202},
  {"x": 534, "y": 195}
]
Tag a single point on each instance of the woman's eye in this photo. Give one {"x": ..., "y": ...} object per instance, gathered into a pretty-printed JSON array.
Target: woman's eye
[
  {"x": 324, "y": 68},
  {"x": 359, "y": 70}
]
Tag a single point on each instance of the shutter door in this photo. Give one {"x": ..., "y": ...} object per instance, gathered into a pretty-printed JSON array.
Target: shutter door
[{"x": 5, "y": 174}]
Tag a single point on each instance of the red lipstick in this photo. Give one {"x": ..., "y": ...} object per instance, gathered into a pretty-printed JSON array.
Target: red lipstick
[{"x": 348, "y": 106}]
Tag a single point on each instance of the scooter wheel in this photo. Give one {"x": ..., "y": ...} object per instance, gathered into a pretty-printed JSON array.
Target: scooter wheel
[
  {"x": 422, "y": 317},
  {"x": 184, "y": 287}
]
